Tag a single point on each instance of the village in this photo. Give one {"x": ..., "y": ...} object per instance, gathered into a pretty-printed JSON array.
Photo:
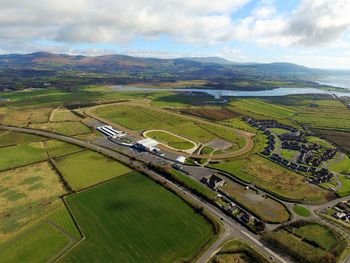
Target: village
[{"x": 310, "y": 155}]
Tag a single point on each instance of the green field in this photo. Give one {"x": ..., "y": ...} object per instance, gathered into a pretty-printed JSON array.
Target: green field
[
  {"x": 274, "y": 178},
  {"x": 261, "y": 107},
  {"x": 170, "y": 140},
  {"x": 63, "y": 219},
  {"x": 57, "y": 148},
  {"x": 64, "y": 115},
  {"x": 39, "y": 244},
  {"x": 149, "y": 224},
  {"x": 265, "y": 208},
  {"x": 321, "y": 235},
  {"x": 345, "y": 189},
  {"x": 22, "y": 154},
  {"x": 87, "y": 168},
  {"x": 342, "y": 167},
  {"x": 288, "y": 154},
  {"x": 13, "y": 138},
  {"x": 145, "y": 118},
  {"x": 294, "y": 246},
  {"x": 301, "y": 210},
  {"x": 26, "y": 194},
  {"x": 65, "y": 128}
]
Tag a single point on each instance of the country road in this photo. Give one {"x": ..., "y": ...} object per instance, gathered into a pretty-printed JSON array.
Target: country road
[{"x": 231, "y": 228}]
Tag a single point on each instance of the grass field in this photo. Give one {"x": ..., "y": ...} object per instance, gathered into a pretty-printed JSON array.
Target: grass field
[
  {"x": 22, "y": 154},
  {"x": 26, "y": 194},
  {"x": 288, "y": 154},
  {"x": 262, "y": 107},
  {"x": 38, "y": 244},
  {"x": 149, "y": 224},
  {"x": 301, "y": 210},
  {"x": 87, "y": 168},
  {"x": 266, "y": 209},
  {"x": 170, "y": 140},
  {"x": 63, "y": 219},
  {"x": 149, "y": 119},
  {"x": 272, "y": 177},
  {"x": 294, "y": 245},
  {"x": 63, "y": 115},
  {"x": 338, "y": 137},
  {"x": 57, "y": 148},
  {"x": 65, "y": 128},
  {"x": 342, "y": 167},
  {"x": 345, "y": 189},
  {"x": 237, "y": 251},
  {"x": 319, "y": 234},
  {"x": 13, "y": 138}
]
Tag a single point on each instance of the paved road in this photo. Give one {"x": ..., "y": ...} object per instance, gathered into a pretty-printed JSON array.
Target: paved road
[{"x": 231, "y": 228}]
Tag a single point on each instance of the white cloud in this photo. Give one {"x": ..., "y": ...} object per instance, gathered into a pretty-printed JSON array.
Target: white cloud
[
  {"x": 96, "y": 21},
  {"x": 318, "y": 23}
]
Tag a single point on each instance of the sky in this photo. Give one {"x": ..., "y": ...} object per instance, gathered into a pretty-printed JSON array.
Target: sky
[{"x": 314, "y": 33}]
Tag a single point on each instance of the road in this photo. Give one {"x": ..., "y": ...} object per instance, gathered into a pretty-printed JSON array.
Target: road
[{"x": 231, "y": 228}]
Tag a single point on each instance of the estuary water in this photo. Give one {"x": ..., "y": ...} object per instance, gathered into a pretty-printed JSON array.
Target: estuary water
[{"x": 217, "y": 93}]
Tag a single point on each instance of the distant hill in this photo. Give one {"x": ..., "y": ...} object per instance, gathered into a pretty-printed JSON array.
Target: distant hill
[{"x": 22, "y": 70}]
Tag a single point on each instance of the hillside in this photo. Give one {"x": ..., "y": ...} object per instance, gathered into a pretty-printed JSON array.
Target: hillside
[{"x": 25, "y": 70}]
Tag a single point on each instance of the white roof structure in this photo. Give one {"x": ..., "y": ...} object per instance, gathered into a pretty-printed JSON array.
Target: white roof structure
[
  {"x": 181, "y": 159},
  {"x": 148, "y": 143}
]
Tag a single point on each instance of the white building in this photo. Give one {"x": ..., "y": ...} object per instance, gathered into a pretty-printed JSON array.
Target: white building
[
  {"x": 181, "y": 159},
  {"x": 146, "y": 144}
]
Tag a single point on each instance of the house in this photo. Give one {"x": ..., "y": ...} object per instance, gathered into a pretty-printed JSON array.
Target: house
[
  {"x": 342, "y": 205},
  {"x": 340, "y": 215},
  {"x": 213, "y": 181}
]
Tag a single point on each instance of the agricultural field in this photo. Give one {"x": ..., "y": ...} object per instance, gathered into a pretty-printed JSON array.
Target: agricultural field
[
  {"x": 25, "y": 116},
  {"x": 22, "y": 154},
  {"x": 263, "y": 207},
  {"x": 8, "y": 138},
  {"x": 41, "y": 243},
  {"x": 65, "y": 128},
  {"x": 308, "y": 242},
  {"x": 240, "y": 252},
  {"x": 170, "y": 140},
  {"x": 26, "y": 194},
  {"x": 149, "y": 119},
  {"x": 274, "y": 178},
  {"x": 212, "y": 114},
  {"x": 63, "y": 115},
  {"x": 340, "y": 138},
  {"x": 248, "y": 106},
  {"x": 87, "y": 168},
  {"x": 149, "y": 223},
  {"x": 342, "y": 166},
  {"x": 57, "y": 148}
]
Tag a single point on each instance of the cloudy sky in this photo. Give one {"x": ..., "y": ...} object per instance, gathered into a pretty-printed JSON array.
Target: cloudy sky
[{"x": 314, "y": 33}]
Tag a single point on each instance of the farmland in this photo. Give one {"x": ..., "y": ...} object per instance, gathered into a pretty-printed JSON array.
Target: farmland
[
  {"x": 26, "y": 194},
  {"x": 340, "y": 138},
  {"x": 12, "y": 138},
  {"x": 213, "y": 114},
  {"x": 274, "y": 178},
  {"x": 148, "y": 223},
  {"x": 65, "y": 128},
  {"x": 87, "y": 168},
  {"x": 21, "y": 154},
  {"x": 265, "y": 208},
  {"x": 308, "y": 242}
]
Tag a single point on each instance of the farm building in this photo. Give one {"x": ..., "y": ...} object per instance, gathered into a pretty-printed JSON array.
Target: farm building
[{"x": 146, "y": 145}]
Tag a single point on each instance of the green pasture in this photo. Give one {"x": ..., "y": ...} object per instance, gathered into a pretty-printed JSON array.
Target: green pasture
[
  {"x": 87, "y": 168},
  {"x": 149, "y": 223}
]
